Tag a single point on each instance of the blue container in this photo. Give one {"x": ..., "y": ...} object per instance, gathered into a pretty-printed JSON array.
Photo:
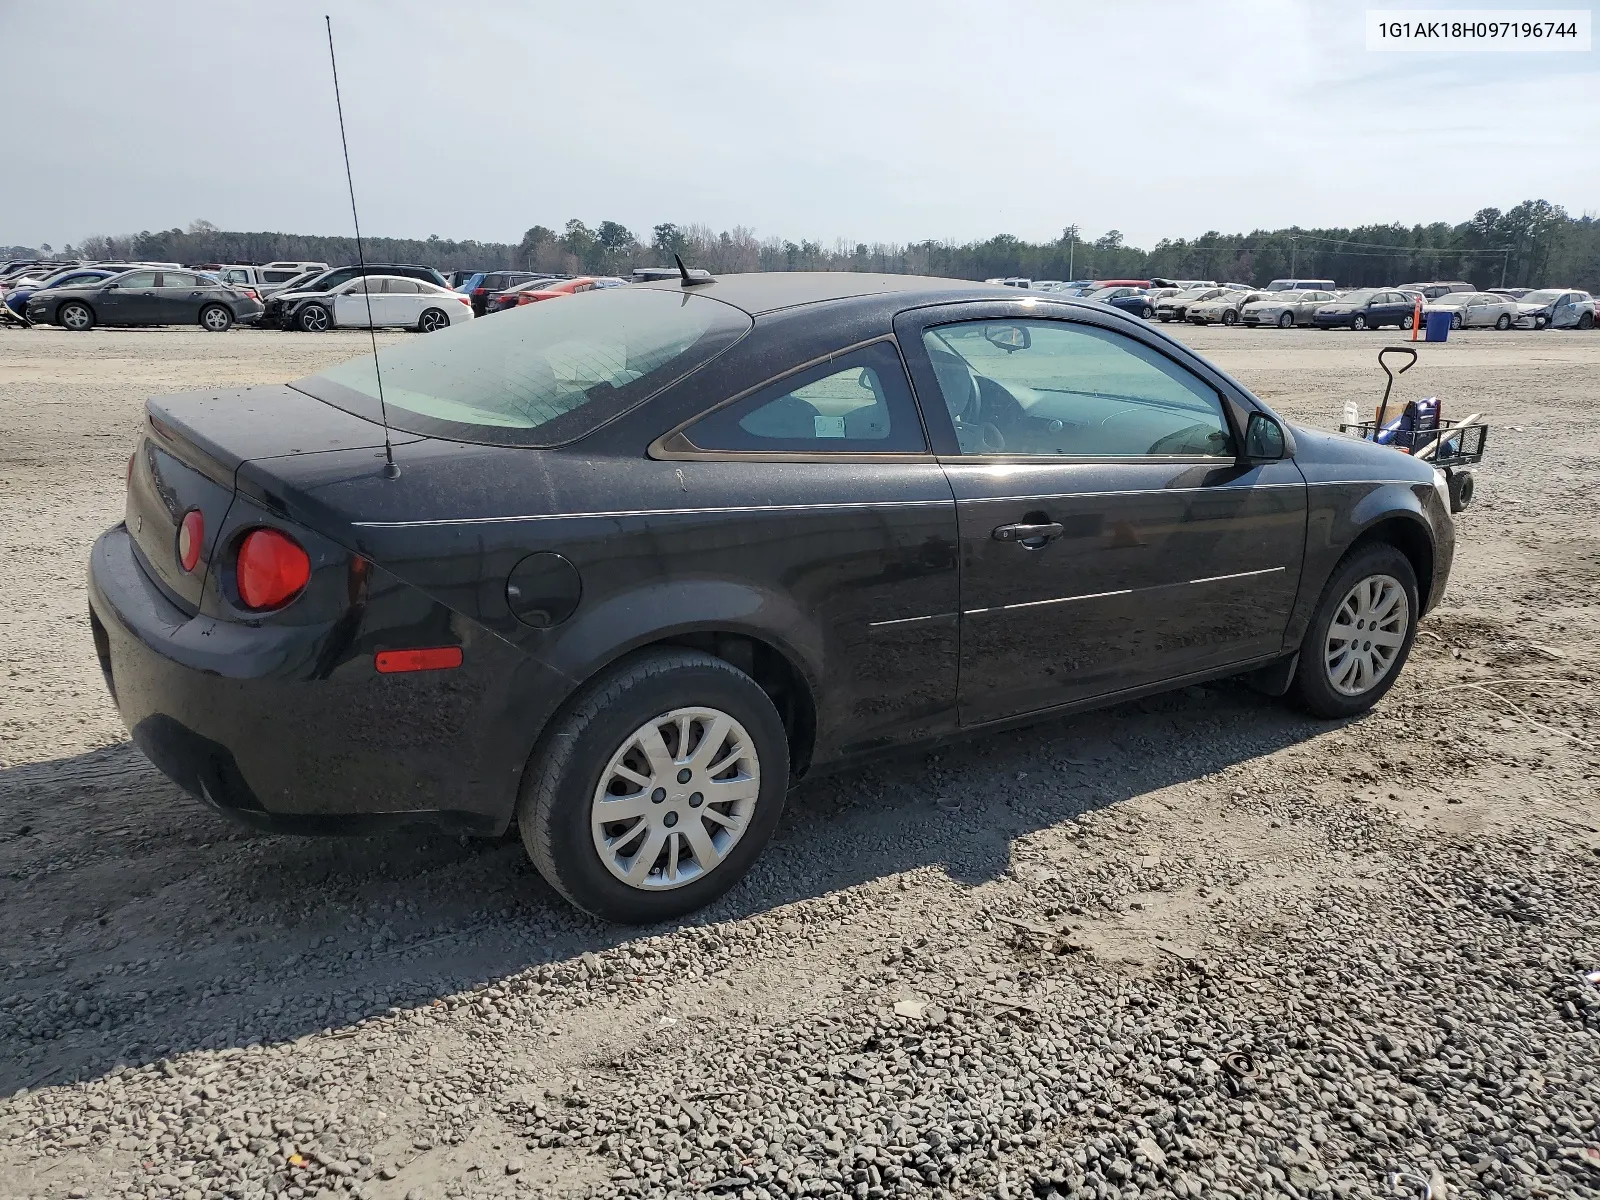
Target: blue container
[{"x": 1438, "y": 326}]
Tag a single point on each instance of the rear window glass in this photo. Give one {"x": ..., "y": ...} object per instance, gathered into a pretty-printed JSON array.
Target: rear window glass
[{"x": 540, "y": 374}]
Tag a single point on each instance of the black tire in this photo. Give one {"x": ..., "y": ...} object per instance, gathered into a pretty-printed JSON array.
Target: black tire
[
  {"x": 1407, "y": 321},
  {"x": 1541, "y": 322},
  {"x": 1147, "y": 312},
  {"x": 1164, "y": 318},
  {"x": 313, "y": 318},
  {"x": 1311, "y": 689},
  {"x": 553, "y": 806},
  {"x": 215, "y": 318},
  {"x": 1229, "y": 317},
  {"x": 1503, "y": 323},
  {"x": 1285, "y": 320},
  {"x": 1455, "y": 320},
  {"x": 1586, "y": 321},
  {"x": 432, "y": 320},
  {"x": 76, "y": 316},
  {"x": 1358, "y": 322}
]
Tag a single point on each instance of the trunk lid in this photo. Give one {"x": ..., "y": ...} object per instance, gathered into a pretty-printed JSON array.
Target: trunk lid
[{"x": 188, "y": 456}]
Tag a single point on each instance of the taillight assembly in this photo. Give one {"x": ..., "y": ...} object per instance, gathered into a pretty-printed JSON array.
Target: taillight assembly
[
  {"x": 271, "y": 569},
  {"x": 191, "y": 537}
]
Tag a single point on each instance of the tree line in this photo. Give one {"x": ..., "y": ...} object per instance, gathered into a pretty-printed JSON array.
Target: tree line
[{"x": 1534, "y": 244}]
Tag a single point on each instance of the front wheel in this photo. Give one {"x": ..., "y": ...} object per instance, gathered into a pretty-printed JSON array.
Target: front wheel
[
  {"x": 1358, "y": 322},
  {"x": 77, "y": 317},
  {"x": 1360, "y": 634},
  {"x": 1285, "y": 320},
  {"x": 1504, "y": 322},
  {"x": 657, "y": 789},
  {"x": 215, "y": 318},
  {"x": 314, "y": 318},
  {"x": 432, "y": 321}
]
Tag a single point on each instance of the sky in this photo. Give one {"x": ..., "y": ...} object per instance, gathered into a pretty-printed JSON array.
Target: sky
[{"x": 887, "y": 120}]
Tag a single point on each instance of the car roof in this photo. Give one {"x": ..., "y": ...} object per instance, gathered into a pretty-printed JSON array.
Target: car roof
[{"x": 767, "y": 292}]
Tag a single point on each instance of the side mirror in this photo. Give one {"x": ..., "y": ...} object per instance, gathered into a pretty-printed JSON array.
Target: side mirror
[
  {"x": 1009, "y": 338},
  {"x": 1263, "y": 438}
]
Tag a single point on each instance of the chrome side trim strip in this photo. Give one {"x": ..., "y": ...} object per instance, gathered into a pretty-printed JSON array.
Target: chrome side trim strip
[
  {"x": 657, "y": 512},
  {"x": 1239, "y": 575},
  {"x": 910, "y": 620},
  {"x": 972, "y": 612}
]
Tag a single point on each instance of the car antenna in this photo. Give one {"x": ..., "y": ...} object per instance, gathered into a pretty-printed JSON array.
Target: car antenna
[
  {"x": 390, "y": 469},
  {"x": 689, "y": 280}
]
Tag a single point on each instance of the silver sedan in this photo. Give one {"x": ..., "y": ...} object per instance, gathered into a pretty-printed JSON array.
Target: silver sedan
[
  {"x": 1284, "y": 309},
  {"x": 1474, "y": 310}
]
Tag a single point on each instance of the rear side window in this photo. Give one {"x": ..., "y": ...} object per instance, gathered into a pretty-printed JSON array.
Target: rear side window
[
  {"x": 539, "y": 374},
  {"x": 856, "y": 403},
  {"x": 405, "y": 287},
  {"x": 278, "y": 276}
]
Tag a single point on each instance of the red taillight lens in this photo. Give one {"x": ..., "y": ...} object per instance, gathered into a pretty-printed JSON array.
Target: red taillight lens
[
  {"x": 272, "y": 569},
  {"x": 191, "y": 536},
  {"x": 480, "y": 291}
]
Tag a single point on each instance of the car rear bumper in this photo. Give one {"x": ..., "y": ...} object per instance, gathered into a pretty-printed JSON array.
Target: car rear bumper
[{"x": 257, "y": 722}]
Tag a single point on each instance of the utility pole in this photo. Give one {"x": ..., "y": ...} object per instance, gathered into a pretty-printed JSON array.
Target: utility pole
[
  {"x": 1505, "y": 257},
  {"x": 1072, "y": 253},
  {"x": 1294, "y": 254}
]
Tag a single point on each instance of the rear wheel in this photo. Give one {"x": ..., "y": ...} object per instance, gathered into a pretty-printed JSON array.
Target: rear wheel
[
  {"x": 1164, "y": 317},
  {"x": 1406, "y": 321},
  {"x": 216, "y": 318},
  {"x": 314, "y": 318},
  {"x": 1455, "y": 320},
  {"x": 433, "y": 320},
  {"x": 1285, "y": 320},
  {"x": 1229, "y": 317},
  {"x": 1147, "y": 312},
  {"x": 1504, "y": 322},
  {"x": 76, "y": 316},
  {"x": 1358, "y": 322},
  {"x": 1586, "y": 321},
  {"x": 1360, "y": 634},
  {"x": 656, "y": 790}
]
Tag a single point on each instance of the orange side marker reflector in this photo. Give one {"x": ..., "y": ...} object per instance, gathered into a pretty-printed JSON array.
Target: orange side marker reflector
[{"x": 435, "y": 658}]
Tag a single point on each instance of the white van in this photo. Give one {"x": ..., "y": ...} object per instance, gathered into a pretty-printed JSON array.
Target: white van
[
  {"x": 1301, "y": 285},
  {"x": 267, "y": 279}
]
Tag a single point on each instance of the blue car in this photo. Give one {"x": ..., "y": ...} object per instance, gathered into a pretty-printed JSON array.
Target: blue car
[
  {"x": 1369, "y": 308},
  {"x": 17, "y": 298},
  {"x": 1128, "y": 299}
]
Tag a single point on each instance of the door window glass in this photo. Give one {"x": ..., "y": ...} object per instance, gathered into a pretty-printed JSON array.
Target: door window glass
[
  {"x": 138, "y": 279},
  {"x": 1058, "y": 388},
  {"x": 359, "y": 288},
  {"x": 402, "y": 287},
  {"x": 858, "y": 403},
  {"x": 178, "y": 279}
]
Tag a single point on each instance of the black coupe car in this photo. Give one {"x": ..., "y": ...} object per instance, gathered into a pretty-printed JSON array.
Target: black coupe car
[
  {"x": 145, "y": 296},
  {"x": 647, "y": 556},
  {"x": 1369, "y": 308}
]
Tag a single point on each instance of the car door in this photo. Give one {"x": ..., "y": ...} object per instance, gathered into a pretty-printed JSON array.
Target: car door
[
  {"x": 350, "y": 302},
  {"x": 128, "y": 300},
  {"x": 401, "y": 302},
  {"x": 179, "y": 296},
  {"x": 851, "y": 518},
  {"x": 1111, "y": 537},
  {"x": 1564, "y": 312}
]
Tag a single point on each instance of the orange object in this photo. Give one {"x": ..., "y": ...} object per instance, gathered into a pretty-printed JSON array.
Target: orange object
[
  {"x": 1416, "y": 319},
  {"x": 566, "y": 287}
]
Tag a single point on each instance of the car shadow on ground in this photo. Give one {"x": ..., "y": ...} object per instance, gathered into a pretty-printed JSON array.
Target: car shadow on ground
[{"x": 141, "y": 925}]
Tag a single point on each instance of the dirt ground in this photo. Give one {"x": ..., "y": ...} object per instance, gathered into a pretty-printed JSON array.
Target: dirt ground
[{"x": 191, "y": 1009}]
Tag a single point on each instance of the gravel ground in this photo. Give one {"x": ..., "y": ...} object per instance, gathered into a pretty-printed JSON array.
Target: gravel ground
[{"x": 1194, "y": 946}]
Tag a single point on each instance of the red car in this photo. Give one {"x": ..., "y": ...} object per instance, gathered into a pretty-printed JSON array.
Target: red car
[{"x": 564, "y": 287}]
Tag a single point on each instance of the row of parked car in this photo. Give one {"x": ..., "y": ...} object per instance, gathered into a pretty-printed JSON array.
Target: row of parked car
[
  {"x": 1286, "y": 303},
  {"x": 310, "y": 297},
  {"x": 313, "y": 297}
]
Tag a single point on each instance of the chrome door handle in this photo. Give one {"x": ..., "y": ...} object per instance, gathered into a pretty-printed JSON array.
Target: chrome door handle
[{"x": 1028, "y": 535}]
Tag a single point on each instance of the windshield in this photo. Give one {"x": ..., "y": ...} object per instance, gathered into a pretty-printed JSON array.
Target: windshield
[
  {"x": 1544, "y": 297},
  {"x": 541, "y": 374}
]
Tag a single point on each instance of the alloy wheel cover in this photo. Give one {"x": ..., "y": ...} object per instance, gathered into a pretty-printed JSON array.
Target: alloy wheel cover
[
  {"x": 1366, "y": 635},
  {"x": 675, "y": 798}
]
